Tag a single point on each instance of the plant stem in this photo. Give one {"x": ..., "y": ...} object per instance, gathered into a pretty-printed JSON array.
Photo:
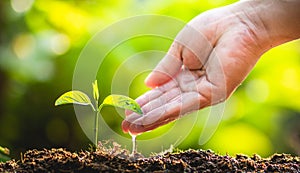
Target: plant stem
[
  {"x": 97, "y": 122},
  {"x": 96, "y": 127}
]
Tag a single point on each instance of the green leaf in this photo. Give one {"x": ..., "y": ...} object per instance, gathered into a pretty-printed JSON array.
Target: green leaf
[
  {"x": 4, "y": 158},
  {"x": 95, "y": 90},
  {"x": 73, "y": 97},
  {"x": 123, "y": 102},
  {"x": 4, "y": 150},
  {"x": 3, "y": 154}
]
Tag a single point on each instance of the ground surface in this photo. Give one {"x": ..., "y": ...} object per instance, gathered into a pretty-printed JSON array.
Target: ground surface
[{"x": 118, "y": 160}]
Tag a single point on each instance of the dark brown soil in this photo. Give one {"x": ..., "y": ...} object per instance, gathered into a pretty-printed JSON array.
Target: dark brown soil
[{"x": 118, "y": 160}]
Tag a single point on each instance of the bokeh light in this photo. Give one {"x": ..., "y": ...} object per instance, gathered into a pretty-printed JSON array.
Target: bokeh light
[
  {"x": 21, "y": 5},
  {"x": 24, "y": 45},
  {"x": 60, "y": 44}
]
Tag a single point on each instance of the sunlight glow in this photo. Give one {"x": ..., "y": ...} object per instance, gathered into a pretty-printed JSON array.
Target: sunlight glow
[
  {"x": 23, "y": 45},
  {"x": 21, "y": 5},
  {"x": 60, "y": 44}
]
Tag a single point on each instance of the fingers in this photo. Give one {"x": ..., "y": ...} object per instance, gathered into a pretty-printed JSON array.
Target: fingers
[
  {"x": 164, "y": 114},
  {"x": 126, "y": 123},
  {"x": 157, "y": 92},
  {"x": 166, "y": 69},
  {"x": 155, "y": 105},
  {"x": 153, "y": 94},
  {"x": 145, "y": 98},
  {"x": 162, "y": 100},
  {"x": 165, "y": 103}
]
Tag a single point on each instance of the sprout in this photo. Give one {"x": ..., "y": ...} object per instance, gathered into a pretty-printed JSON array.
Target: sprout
[
  {"x": 80, "y": 98},
  {"x": 4, "y": 152}
]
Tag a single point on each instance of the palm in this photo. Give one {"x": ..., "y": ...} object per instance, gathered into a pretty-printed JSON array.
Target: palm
[{"x": 200, "y": 69}]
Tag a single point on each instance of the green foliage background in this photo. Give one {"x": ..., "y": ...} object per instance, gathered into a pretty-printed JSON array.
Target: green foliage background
[{"x": 41, "y": 40}]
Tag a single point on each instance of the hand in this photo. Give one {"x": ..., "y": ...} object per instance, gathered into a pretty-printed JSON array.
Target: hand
[{"x": 208, "y": 60}]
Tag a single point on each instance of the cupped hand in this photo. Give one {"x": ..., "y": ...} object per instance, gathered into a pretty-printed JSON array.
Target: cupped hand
[{"x": 208, "y": 60}]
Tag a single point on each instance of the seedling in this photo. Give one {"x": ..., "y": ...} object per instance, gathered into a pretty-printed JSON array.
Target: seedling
[
  {"x": 4, "y": 152},
  {"x": 80, "y": 98}
]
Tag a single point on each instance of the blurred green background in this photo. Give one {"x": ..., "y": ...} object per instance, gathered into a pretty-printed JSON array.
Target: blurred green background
[{"x": 41, "y": 40}]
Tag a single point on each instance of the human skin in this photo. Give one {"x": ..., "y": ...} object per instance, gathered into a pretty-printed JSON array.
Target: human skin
[{"x": 210, "y": 58}]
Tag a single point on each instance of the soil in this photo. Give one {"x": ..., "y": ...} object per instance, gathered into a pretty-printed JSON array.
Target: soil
[{"x": 115, "y": 159}]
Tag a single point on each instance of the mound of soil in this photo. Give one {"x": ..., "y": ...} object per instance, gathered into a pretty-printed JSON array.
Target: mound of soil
[{"x": 119, "y": 160}]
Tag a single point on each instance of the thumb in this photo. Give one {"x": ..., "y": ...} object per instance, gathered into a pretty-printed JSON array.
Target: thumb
[{"x": 167, "y": 68}]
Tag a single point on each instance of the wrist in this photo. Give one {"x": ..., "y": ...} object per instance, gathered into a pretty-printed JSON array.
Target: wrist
[{"x": 274, "y": 22}]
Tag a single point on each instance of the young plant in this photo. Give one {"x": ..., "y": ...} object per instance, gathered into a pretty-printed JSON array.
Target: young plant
[
  {"x": 4, "y": 152},
  {"x": 80, "y": 98}
]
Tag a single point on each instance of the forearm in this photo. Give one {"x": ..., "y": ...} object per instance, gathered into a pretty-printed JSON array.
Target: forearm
[
  {"x": 277, "y": 21},
  {"x": 283, "y": 19}
]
